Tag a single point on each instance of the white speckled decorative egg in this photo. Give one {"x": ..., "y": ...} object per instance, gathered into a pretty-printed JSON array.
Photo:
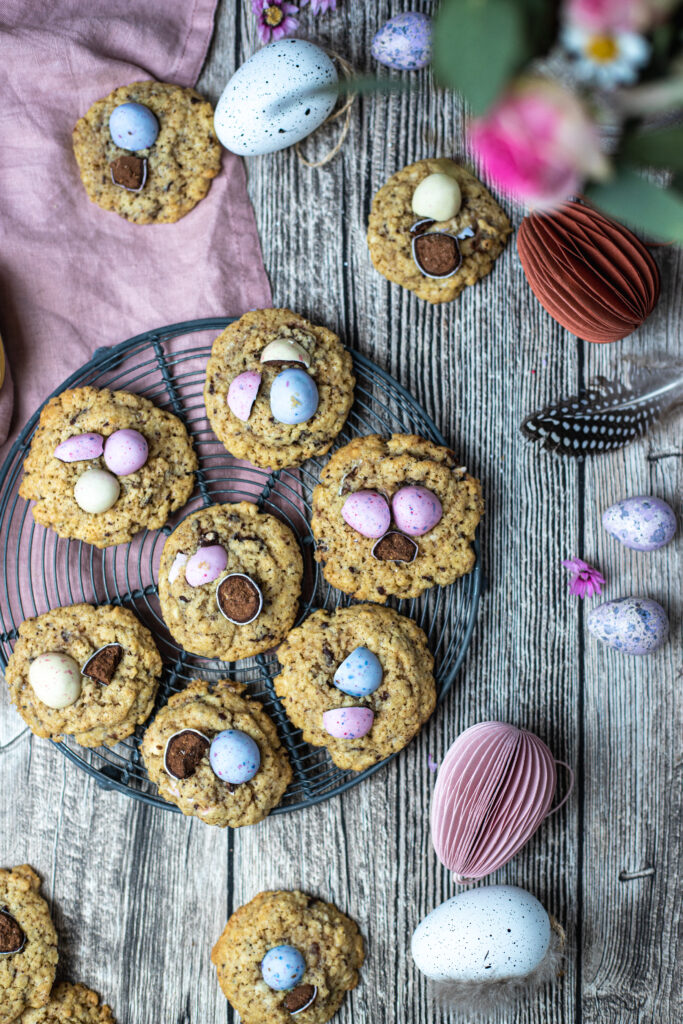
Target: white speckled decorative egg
[
  {"x": 643, "y": 523},
  {"x": 632, "y": 625},
  {"x": 272, "y": 101},
  {"x": 96, "y": 491},
  {"x": 483, "y": 935},
  {"x": 405, "y": 42},
  {"x": 55, "y": 679}
]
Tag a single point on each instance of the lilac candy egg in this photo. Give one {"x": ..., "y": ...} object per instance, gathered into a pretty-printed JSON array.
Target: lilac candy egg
[
  {"x": 632, "y": 625},
  {"x": 234, "y": 756},
  {"x": 367, "y": 512},
  {"x": 293, "y": 396},
  {"x": 348, "y": 723},
  {"x": 206, "y": 565},
  {"x": 80, "y": 447},
  {"x": 125, "y": 452},
  {"x": 643, "y": 523},
  {"x": 416, "y": 510},
  {"x": 282, "y": 968},
  {"x": 133, "y": 126},
  {"x": 405, "y": 42},
  {"x": 359, "y": 674},
  {"x": 242, "y": 394}
]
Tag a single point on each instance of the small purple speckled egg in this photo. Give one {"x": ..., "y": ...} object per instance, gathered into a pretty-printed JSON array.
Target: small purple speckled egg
[
  {"x": 348, "y": 723},
  {"x": 234, "y": 756},
  {"x": 293, "y": 397},
  {"x": 242, "y": 394},
  {"x": 643, "y": 523},
  {"x": 80, "y": 447},
  {"x": 359, "y": 674},
  {"x": 632, "y": 625},
  {"x": 55, "y": 679},
  {"x": 206, "y": 565},
  {"x": 133, "y": 126},
  {"x": 125, "y": 452},
  {"x": 416, "y": 510},
  {"x": 367, "y": 512},
  {"x": 405, "y": 42},
  {"x": 282, "y": 968}
]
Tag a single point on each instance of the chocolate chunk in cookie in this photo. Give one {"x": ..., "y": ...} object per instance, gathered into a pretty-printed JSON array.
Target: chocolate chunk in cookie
[
  {"x": 12, "y": 938},
  {"x": 300, "y": 998},
  {"x": 129, "y": 172},
  {"x": 239, "y": 599},
  {"x": 184, "y": 751},
  {"x": 395, "y": 547}
]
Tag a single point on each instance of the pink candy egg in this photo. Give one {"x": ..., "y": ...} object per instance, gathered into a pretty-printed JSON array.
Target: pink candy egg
[
  {"x": 348, "y": 723},
  {"x": 125, "y": 451},
  {"x": 80, "y": 447},
  {"x": 416, "y": 510},
  {"x": 242, "y": 394},
  {"x": 367, "y": 512},
  {"x": 206, "y": 565}
]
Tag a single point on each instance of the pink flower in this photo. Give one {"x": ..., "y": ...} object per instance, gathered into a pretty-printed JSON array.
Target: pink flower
[
  {"x": 538, "y": 143},
  {"x": 274, "y": 19},
  {"x": 615, "y": 15},
  {"x": 320, "y": 6},
  {"x": 584, "y": 580}
]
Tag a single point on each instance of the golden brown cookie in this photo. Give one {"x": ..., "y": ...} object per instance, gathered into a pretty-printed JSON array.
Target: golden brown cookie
[
  {"x": 70, "y": 1004},
  {"x": 385, "y": 465},
  {"x": 209, "y": 709},
  {"x": 104, "y": 712},
  {"x": 402, "y": 702},
  {"x": 27, "y": 975},
  {"x": 328, "y": 941},
  {"x": 261, "y": 438},
  {"x": 391, "y": 219},
  {"x": 179, "y": 166},
  {"x": 147, "y": 496}
]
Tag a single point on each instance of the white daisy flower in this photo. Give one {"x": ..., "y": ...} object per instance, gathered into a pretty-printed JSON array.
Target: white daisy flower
[{"x": 606, "y": 58}]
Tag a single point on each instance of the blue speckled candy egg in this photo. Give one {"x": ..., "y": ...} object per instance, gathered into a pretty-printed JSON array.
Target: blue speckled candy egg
[
  {"x": 632, "y": 625},
  {"x": 133, "y": 126},
  {"x": 234, "y": 756},
  {"x": 293, "y": 396},
  {"x": 405, "y": 42},
  {"x": 360, "y": 674},
  {"x": 643, "y": 523},
  {"x": 283, "y": 967}
]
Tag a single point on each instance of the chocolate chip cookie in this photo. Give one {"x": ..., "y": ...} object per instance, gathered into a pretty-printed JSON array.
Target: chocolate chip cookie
[
  {"x": 163, "y": 181},
  {"x": 398, "y": 700},
  {"x": 245, "y": 569},
  {"x": 325, "y": 942},
  {"x": 456, "y": 252},
  {"x": 70, "y": 1004},
  {"x": 248, "y": 426},
  {"x": 176, "y": 749},
  {"x": 91, "y": 673},
  {"x": 396, "y": 562},
  {"x": 78, "y": 425},
  {"x": 28, "y": 944}
]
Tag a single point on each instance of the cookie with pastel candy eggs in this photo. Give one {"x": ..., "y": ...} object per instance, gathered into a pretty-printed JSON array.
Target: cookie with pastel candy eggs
[{"x": 28, "y": 944}]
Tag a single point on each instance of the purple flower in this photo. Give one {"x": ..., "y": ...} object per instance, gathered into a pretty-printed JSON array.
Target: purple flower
[
  {"x": 320, "y": 6},
  {"x": 274, "y": 19},
  {"x": 584, "y": 580}
]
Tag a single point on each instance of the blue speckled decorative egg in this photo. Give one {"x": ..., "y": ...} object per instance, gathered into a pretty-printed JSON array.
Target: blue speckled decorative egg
[
  {"x": 643, "y": 523},
  {"x": 360, "y": 674},
  {"x": 283, "y": 967},
  {"x": 234, "y": 756},
  {"x": 405, "y": 42},
  {"x": 133, "y": 126},
  {"x": 293, "y": 396},
  {"x": 632, "y": 625}
]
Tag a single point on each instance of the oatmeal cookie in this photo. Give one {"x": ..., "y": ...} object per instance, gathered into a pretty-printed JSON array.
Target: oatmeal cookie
[
  {"x": 27, "y": 975},
  {"x": 70, "y": 1004}
]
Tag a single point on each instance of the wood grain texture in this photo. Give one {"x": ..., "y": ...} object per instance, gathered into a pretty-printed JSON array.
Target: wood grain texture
[{"x": 140, "y": 896}]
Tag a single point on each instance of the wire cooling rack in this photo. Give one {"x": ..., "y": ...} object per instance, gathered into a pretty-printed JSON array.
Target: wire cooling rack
[{"x": 168, "y": 367}]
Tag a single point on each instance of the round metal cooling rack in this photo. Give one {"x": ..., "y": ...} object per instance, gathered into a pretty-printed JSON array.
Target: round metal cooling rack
[{"x": 42, "y": 571}]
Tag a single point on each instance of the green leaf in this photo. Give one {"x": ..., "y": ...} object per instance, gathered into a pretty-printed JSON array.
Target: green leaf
[
  {"x": 662, "y": 148},
  {"x": 632, "y": 199},
  {"x": 478, "y": 47}
]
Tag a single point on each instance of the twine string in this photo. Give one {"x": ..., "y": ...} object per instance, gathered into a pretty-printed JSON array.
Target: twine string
[{"x": 343, "y": 111}]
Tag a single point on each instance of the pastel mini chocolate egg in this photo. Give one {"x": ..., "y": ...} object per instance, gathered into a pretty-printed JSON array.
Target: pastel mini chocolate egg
[
  {"x": 80, "y": 447},
  {"x": 632, "y": 625},
  {"x": 206, "y": 565},
  {"x": 239, "y": 598},
  {"x": 642, "y": 523},
  {"x": 282, "y": 968},
  {"x": 300, "y": 998},
  {"x": 293, "y": 397},
  {"x": 359, "y": 674},
  {"x": 242, "y": 394},
  {"x": 283, "y": 351},
  {"x": 125, "y": 452},
  {"x": 133, "y": 126},
  {"x": 96, "y": 491},
  {"x": 348, "y": 723},
  {"x": 184, "y": 751},
  {"x": 102, "y": 665},
  {"x": 55, "y": 679},
  {"x": 179, "y": 563},
  {"x": 437, "y": 197},
  {"x": 234, "y": 756},
  {"x": 416, "y": 510},
  {"x": 404, "y": 42},
  {"x": 367, "y": 512},
  {"x": 12, "y": 937}
]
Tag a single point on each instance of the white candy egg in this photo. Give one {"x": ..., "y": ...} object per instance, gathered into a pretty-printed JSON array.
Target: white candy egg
[
  {"x": 55, "y": 679},
  {"x": 96, "y": 491},
  {"x": 437, "y": 197},
  {"x": 272, "y": 100}
]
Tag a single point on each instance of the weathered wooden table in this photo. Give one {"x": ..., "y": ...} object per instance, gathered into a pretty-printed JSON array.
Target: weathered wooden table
[{"x": 139, "y": 896}]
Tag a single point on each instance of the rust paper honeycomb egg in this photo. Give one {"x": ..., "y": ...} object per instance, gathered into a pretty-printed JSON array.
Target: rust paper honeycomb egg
[{"x": 591, "y": 274}]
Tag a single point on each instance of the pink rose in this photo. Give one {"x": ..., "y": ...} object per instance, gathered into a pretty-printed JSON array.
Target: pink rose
[
  {"x": 538, "y": 143},
  {"x": 616, "y": 15}
]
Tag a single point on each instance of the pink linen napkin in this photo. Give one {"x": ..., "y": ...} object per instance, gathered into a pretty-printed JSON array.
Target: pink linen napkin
[{"x": 74, "y": 277}]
